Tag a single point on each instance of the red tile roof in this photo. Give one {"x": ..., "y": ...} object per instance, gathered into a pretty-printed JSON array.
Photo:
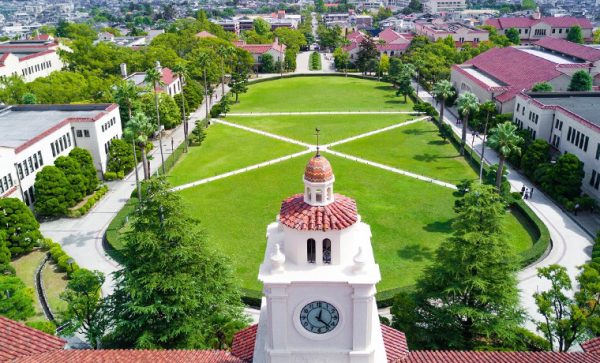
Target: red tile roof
[
  {"x": 394, "y": 342},
  {"x": 243, "y": 343},
  {"x": 168, "y": 76},
  {"x": 389, "y": 35},
  {"x": 318, "y": 170},
  {"x": 384, "y": 47},
  {"x": 133, "y": 356},
  {"x": 205, "y": 34},
  {"x": 355, "y": 36},
  {"x": 260, "y": 48},
  {"x": 498, "y": 357},
  {"x": 526, "y": 22},
  {"x": 573, "y": 49},
  {"x": 18, "y": 340},
  {"x": 592, "y": 346},
  {"x": 297, "y": 214}
]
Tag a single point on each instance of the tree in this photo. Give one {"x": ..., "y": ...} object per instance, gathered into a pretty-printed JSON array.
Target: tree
[
  {"x": 19, "y": 224},
  {"x": 5, "y": 255},
  {"x": 154, "y": 78},
  {"x": 239, "y": 84},
  {"x": 169, "y": 113},
  {"x": 86, "y": 310},
  {"x": 173, "y": 290},
  {"x": 395, "y": 68},
  {"x": 126, "y": 94},
  {"x": 581, "y": 81},
  {"x": 528, "y": 5},
  {"x": 513, "y": 35},
  {"x": 405, "y": 87},
  {"x": 566, "y": 319},
  {"x": 52, "y": 192},
  {"x": 542, "y": 87},
  {"x": 16, "y": 299},
  {"x": 320, "y": 6},
  {"x": 563, "y": 180},
  {"x": 468, "y": 104},
  {"x": 290, "y": 59},
  {"x": 29, "y": 99},
  {"x": 86, "y": 163},
  {"x": 341, "y": 59},
  {"x": 225, "y": 53},
  {"x": 261, "y": 26},
  {"x": 538, "y": 153},
  {"x": 504, "y": 139},
  {"x": 266, "y": 63},
  {"x": 120, "y": 157},
  {"x": 384, "y": 64},
  {"x": 468, "y": 296},
  {"x": 443, "y": 90},
  {"x": 414, "y": 6},
  {"x": 367, "y": 52},
  {"x": 445, "y": 131},
  {"x": 138, "y": 130},
  {"x": 575, "y": 34},
  {"x": 77, "y": 182}
]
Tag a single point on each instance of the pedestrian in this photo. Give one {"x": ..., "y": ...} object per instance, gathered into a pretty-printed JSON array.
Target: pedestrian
[
  {"x": 531, "y": 193},
  {"x": 523, "y": 190},
  {"x": 576, "y": 208},
  {"x": 525, "y": 196}
]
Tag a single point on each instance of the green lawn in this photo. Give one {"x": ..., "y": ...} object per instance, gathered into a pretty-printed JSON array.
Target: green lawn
[
  {"x": 225, "y": 149},
  {"x": 333, "y": 127},
  {"x": 408, "y": 218},
  {"x": 417, "y": 148},
  {"x": 301, "y": 94},
  {"x": 55, "y": 282}
]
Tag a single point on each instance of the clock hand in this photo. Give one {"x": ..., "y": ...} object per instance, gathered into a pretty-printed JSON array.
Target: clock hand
[{"x": 318, "y": 317}]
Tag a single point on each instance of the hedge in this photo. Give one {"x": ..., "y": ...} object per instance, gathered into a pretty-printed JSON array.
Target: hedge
[
  {"x": 90, "y": 202},
  {"x": 543, "y": 241},
  {"x": 58, "y": 255}
]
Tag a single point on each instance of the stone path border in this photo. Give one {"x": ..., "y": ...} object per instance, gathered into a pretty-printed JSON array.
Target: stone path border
[
  {"x": 39, "y": 287},
  {"x": 325, "y": 113}
]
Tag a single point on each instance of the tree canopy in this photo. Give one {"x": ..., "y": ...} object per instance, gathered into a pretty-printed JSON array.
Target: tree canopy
[
  {"x": 581, "y": 81},
  {"x": 22, "y": 229}
]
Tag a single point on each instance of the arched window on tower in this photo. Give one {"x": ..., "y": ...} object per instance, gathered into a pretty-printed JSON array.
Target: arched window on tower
[
  {"x": 311, "y": 251},
  {"x": 319, "y": 195},
  {"x": 327, "y": 251}
]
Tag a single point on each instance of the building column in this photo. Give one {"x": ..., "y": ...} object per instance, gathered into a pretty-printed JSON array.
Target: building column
[
  {"x": 277, "y": 301},
  {"x": 362, "y": 301}
]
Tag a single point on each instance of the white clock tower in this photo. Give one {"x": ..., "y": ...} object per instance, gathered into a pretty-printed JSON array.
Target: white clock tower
[{"x": 319, "y": 279}]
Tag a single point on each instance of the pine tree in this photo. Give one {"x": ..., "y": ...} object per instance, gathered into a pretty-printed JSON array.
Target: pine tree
[
  {"x": 86, "y": 163},
  {"x": 77, "y": 181},
  {"x": 173, "y": 291},
  {"x": 22, "y": 229},
  {"x": 581, "y": 81},
  {"x": 52, "y": 192}
]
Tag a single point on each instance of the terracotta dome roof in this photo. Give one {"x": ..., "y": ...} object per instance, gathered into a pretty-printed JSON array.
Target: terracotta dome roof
[
  {"x": 318, "y": 170},
  {"x": 297, "y": 214}
]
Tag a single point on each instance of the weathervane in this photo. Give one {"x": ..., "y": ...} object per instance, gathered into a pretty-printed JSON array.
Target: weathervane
[{"x": 317, "y": 133}]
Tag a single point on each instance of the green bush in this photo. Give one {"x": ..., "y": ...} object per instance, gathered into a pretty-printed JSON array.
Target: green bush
[
  {"x": 21, "y": 227},
  {"x": 82, "y": 210},
  {"x": 57, "y": 252},
  {"x": 110, "y": 175},
  {"x": 47, "y": 327},
  {"x": 120, "y": 174},
  {"x": 61, "y": 258},
  {"x": 52, "y": 192}
]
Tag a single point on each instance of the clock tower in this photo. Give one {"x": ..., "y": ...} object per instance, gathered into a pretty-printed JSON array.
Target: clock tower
[{"x": 319, "y": 279}]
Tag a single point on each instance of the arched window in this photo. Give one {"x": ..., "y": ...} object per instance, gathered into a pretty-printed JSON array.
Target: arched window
[
  {"x": 327, "y": 250},
  {"x": 311, "y": 251},
  {"x": 319, "y": 195}
]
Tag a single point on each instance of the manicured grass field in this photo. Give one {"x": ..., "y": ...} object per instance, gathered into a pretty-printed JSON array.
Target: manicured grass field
[
  {"x": 417, "y": 148},
  {"x": 225, "y": 149},
  {"x": 302, "y": 94},
  {"x": 333, "y": 127},
  {"x": 408, "y": 218}
]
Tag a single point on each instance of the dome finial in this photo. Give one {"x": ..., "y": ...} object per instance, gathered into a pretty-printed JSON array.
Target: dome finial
[{"x": 317, "y": 134}]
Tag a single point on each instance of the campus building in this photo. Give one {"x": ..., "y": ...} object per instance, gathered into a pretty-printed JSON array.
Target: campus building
[
  {"x": 444, "y": 6},
  {"x": 171, "y": 83},
  {"x": 35, "y": 135},
  {"x": 29, "y": 59},
  {"x": 460, "y": 33},
  {"x": 570, "y": 122},
  {"x": 535, "y": 27},
  {"x": 319, "y": 277},
  {"x": 500, "y": 74},
  {"x": 275, "y": 49},
  {"x": 388, "y": 42}
]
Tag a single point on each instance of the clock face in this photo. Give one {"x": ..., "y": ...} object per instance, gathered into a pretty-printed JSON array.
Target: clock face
[{"x": 319, "y": 317}]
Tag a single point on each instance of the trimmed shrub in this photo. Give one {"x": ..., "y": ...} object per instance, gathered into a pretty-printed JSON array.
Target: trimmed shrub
[
  {"x": 21, "y": 227},
  {"x": 110, "y": 175},
  {"x": 91, "y": 201},
  {"x": 84, "y": 158},
  {"x": 52, "y": 192}
]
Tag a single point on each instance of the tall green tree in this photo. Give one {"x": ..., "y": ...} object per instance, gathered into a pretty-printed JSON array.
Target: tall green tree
[
  {"x": 138, "y": 130},
  {"x": 538, "y": 153},
  {"x": 86, "y": 163},
  {"x": 21, "y": 228},
  {"x": 154, "y": 79},
  {"x": 581, "y": 81},
  {"x": 443, "y": 90},
  {"x": 567, "y": 319},
  {"x": 513, "y": 35},
  {"x": 467, "y": 104},
  {"x": 468, "y": 297},
  {"x": 367, "y": 52},
  {"x": 52, "y": 192},
  {"x": 173, "y": 290},
  {"x": 77, "y": 181},
  {"x": 16, "y": 299},
  {"x": 86, "y": 310},
  {"x": 239, "y": 84},
  {"x": 120, "y": 157},
  {"x": 575, "y": 34},
  {"x": 564, "y": 179},
  {"x": 504, "y": 139},
  {"x": 169, "y": 113},
  {"x": 126, "y": 94}
]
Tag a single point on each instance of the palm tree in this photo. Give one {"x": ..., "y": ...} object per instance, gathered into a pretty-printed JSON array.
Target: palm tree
[
  {"x": 443, "y": 90},
  {"x": 505, "y": 140},
  {"x": 224, "y": 52},
  {"x": 138, "y": 130},
  {"x": 153, "y": 77},
  {"x": 126, "y": 93},
  {"x": 467, "y": 104},
  {"x": 181, "y": 71},
  {"x": 203, "y": 61}
]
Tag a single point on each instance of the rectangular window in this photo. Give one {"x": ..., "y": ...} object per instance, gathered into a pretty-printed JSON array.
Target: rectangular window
[
  {"x": 585, "y": 144},
  {"x": 62, "y": 147},
  {"x": 30, "y": 164},
  {"x": 560, "y": 126},
  {"x": 593, "y": 178},
  {"x": 35, "y": 162},
  {"x": 64, "y": 139},
  {"x": 20, "y": 171},
  {"x": 5, "y": 183},
  {"x": 576, "y": 138},
  {"x": 40, "y": 158},
  {"x": 79, "y": 133},
  {"x": 53, "y": 151},
  {"x": 86, "y": 133},
  {"x": 518, "y": 107},
  {"x": 69, "y": 139},
  {"x": 598, "y": 152},
  {"x": 25, "y": 167},
  {"x": 10, "y": 180}
]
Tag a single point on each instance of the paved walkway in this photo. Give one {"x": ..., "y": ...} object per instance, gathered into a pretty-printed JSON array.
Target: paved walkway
[
  {"x": 375, "y": 132},
  {"x": 571, "y": 245}
]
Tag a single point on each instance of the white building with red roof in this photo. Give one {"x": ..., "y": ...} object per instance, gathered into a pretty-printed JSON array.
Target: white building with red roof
[
  {"x": 275, "y": 49},
  {"x": 388, "y": 42},
  {"x": 535, "y": 27},
  {"x": 501, "y": 73},
  {"x": 171, "y": 83},
  {"x": 29, "y": 59},
  {"x": 460, "y": 33}
]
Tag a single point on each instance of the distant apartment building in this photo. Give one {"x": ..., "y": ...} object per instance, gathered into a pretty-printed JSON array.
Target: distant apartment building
[
  {"x": 444, "y": 6},
  {"x": 171, "y": 83},
  {"x": 276, "y": 20},
  {"x": 570, "y": 122},
  {"x": 535, "y": 27},
  {"x": 461, "y": 34},
  {"x": 29, "y": 59},
  {"x": 35, "y": 135},
  {"x": 348, "y": 20},
  {"x": 501, "y": 73}
]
